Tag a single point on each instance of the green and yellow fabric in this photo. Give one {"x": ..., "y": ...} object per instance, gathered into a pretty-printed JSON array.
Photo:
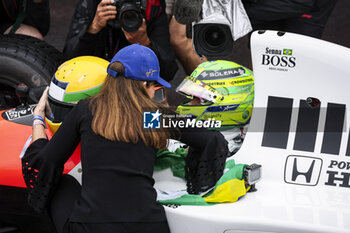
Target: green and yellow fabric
[
  {"x": 229, "y": 188},
  {"x": 173, "y": 160}
]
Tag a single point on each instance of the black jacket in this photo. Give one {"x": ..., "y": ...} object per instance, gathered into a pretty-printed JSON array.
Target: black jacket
[
  {"x": 117, "y": 182},
  {"x": 108, "y": 41}
]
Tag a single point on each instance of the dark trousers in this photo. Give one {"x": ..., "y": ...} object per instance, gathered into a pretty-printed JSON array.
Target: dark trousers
[{"x": 67, "y": 192}]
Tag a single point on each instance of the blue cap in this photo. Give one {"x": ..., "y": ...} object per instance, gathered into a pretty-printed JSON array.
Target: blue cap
[{"x": 140, "y": 63}]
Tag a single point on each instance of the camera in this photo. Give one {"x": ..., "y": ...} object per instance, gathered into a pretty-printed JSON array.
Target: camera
[
  {"x": 222, "y": 22},
  {"x": 212, "y": 36},
  {"x": 252, "y": 173},
  {"x": 130, "y": 14}
]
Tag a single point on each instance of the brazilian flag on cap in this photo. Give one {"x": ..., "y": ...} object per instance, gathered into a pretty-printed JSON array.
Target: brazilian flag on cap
[{"x": 287, "y": 52}]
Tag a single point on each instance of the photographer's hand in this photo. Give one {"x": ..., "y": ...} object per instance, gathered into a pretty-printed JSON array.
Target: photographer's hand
[
  {"x": 140, "y": 36},
  {"x": 105, "y": 11}
]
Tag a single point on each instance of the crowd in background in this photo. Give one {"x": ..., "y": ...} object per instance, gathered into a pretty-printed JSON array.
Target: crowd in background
[{"x": 92, "y": 33}]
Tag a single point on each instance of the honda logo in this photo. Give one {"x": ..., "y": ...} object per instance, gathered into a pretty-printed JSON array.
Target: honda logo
[{"x": 302, "y": 170}]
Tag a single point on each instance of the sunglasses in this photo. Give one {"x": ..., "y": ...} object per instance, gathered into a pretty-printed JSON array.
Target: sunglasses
[{"x": 159, "y": 94}]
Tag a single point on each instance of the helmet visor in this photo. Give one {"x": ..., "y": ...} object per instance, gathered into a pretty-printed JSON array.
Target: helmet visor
[
  {"x": 57, "y": 110},
  {"x": 195, "y": 88}
]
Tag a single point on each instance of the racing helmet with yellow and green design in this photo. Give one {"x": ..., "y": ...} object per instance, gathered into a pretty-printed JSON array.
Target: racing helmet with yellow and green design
[
  {"x": 75, "y": 79},
  {"x": 219, "y": 90}
]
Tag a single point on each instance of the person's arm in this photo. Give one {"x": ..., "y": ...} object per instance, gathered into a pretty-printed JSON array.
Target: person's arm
[
  {"x": 158, "y": 32},
  {"x": 38, "y": 130},
  {"x": 43, "y": 161},
  {"x": 86, "y": 35},
  {"x": 183, "y": 47},
  {"x": 104, "y": 12},
  {"x": 65, "y": 140},
  {"x": 206, "y": 158},
  {"x": 203, "y": 139}
]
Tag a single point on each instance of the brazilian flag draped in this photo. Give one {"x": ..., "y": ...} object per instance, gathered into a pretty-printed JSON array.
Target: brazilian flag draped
[{"x": 229, "y": 188}]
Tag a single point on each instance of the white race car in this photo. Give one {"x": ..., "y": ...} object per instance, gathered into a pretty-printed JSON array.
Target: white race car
[{"x": 300, "y": 136}]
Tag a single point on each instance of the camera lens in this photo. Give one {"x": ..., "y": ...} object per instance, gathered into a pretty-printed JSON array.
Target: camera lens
[
  {"x": 213, "y": 39},
  {"x": 130, "y": 20},
  {"x": 130, "y": 17},
  {"x": 214, "y": 36}
]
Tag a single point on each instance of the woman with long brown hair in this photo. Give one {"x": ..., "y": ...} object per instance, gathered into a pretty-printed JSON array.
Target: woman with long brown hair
[
  {"x": 117, "y": 153},
  {"x": 123, "y": 112}
]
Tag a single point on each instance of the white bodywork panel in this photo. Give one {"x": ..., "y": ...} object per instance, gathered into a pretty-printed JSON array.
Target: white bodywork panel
[{"x": 305, "y": 185}]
